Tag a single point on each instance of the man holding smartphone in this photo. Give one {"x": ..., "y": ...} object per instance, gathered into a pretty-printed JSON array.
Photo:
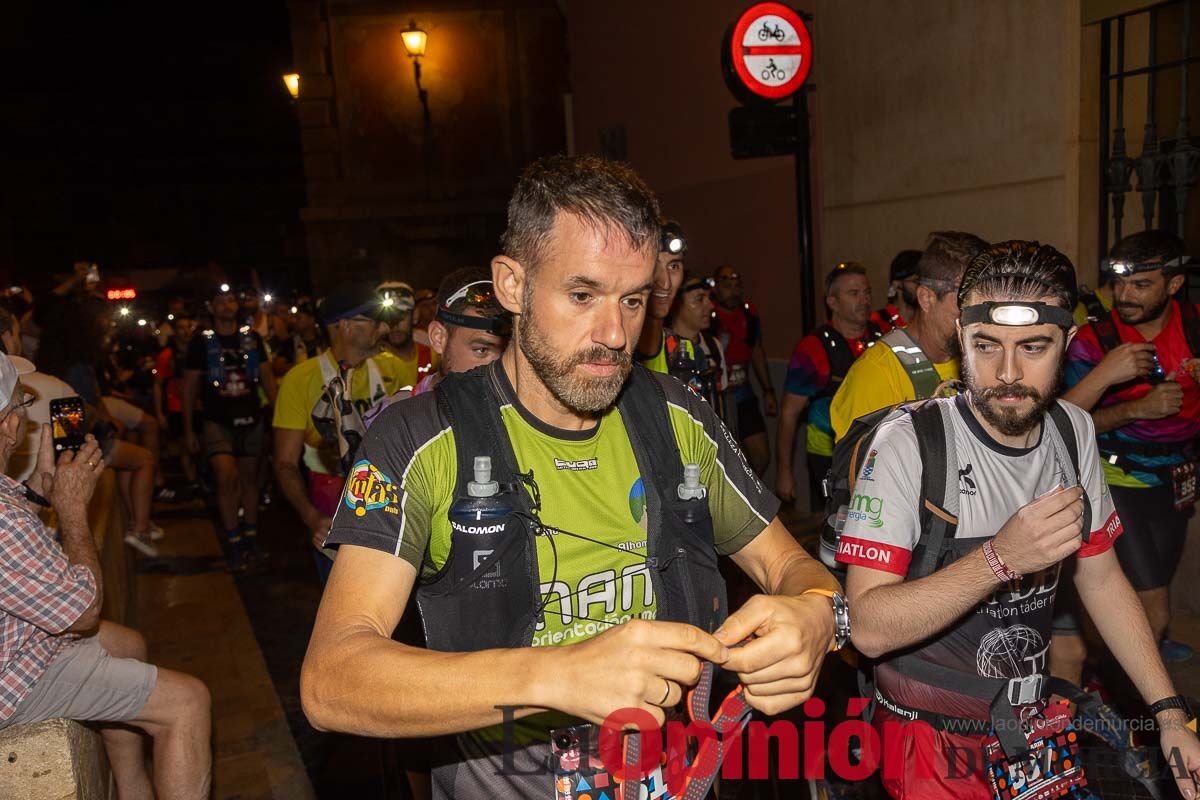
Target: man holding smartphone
[
  {"x": 60, "y": 659},
  {"x": 1135, "y": 370}
]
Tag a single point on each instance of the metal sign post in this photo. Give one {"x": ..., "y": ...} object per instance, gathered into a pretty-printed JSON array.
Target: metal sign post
[
  {"x": 808, "y": 289},
  {"x": 767, "y": 55}
]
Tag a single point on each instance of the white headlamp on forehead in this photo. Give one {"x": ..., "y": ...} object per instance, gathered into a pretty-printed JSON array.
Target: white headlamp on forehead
[
  {"x": 1124, "y": 268},
  {"x": 1015, "y": 314},
  {"x": 671, "y": 239}
]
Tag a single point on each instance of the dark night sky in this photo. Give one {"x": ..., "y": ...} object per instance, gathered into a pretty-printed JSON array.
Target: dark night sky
[{"x": 147, "y": 135}]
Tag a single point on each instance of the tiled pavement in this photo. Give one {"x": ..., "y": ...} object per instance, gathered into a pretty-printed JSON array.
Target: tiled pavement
[{"x": 191, "y": 613}]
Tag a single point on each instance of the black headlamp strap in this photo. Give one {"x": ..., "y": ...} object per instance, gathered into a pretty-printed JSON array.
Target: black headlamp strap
[
  {"x": 1133, "y": 267},
  {"x": 489, "y": 324},
  {"x": 1046, "y": 314}
]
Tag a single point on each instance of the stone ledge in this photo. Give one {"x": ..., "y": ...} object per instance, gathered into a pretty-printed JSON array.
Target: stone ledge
[{"x": 54, "y": 760}]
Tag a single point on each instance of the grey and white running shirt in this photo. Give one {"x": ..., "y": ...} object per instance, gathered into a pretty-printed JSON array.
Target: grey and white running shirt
[{"x": 1007, "y": 635}]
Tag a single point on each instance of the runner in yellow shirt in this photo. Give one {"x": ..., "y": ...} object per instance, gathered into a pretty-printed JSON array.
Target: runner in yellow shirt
[
  {"x": 909, "y": 363},
  {"x": 315, "y": 420}
]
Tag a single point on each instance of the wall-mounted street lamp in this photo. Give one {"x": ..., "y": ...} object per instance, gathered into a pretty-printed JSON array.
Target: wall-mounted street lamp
[
  {"x": 414, "y": 44},
  {"x": 414, "y": 40},
  {"x": 292, "y": 82}
]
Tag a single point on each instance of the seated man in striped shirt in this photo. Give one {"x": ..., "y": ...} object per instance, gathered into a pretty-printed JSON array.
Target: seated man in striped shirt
[{"x": 57, "y": 658}]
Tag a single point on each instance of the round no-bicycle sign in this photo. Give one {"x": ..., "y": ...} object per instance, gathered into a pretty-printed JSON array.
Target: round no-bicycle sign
[{"x": 771, "y": 50}]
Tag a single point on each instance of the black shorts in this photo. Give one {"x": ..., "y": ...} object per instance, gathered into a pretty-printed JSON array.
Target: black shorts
[
  {"x": 749, "y": 417},
  {"x": 1152, "y": 544},
  {"x": 240, "y": 441}
]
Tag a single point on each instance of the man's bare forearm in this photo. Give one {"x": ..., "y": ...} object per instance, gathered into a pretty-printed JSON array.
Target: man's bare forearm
[
  {"x": 791, "y": 410},
  {"x": 292, "y": 483},
  {"x": 80, "y": 549},
  {"x": 271, "y": 385},
  {"x": 1121, "y": 620},
  {"x": 798, "y": 573},
  {"x": 191, "y": 382},
  {"x": 1115, "y": 416},
  {"x": 1088, "y": 391},
  {"x": 897, "y": 615},
  {"x": 758, "y": 357},
  {"x": 369, "y": 685}
]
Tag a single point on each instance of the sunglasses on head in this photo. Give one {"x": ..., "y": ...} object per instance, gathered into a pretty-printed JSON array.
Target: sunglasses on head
[
  {"x": 476, "y": 293},
  {"x": 480, "y": 295}
]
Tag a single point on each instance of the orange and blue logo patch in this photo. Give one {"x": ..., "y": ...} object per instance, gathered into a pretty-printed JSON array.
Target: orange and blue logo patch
[{"x": 368, "y": 489}]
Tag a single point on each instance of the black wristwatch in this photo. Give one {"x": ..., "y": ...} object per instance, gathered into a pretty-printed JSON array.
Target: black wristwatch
[{"x": 1176, "y": 701}]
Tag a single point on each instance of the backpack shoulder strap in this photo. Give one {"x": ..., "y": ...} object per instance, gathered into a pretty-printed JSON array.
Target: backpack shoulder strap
[
  {"x": 643, "y": 407},
  {"x": 1191, "y": 325},
  {"x": 939, "y": 484},
  {"x": 920, "y": 370},
  {"x": 1105, "y": 329},
  {"x": 476, "y": 433},
  {"x": 1064, "y": 436}
]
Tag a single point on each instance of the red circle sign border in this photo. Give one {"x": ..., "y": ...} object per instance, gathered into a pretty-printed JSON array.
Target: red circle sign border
[{"x": 752, "y": 83}]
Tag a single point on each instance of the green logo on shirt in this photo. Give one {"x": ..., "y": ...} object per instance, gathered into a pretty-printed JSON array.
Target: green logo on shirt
[{"x": 865, "y": 508}]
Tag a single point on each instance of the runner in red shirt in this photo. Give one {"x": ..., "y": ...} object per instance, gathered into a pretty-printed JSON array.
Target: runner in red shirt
[
  {"x": 168, "y": 369},
  {"x": 1136, "y": 370},
  {"x": 739, "y": 330}
]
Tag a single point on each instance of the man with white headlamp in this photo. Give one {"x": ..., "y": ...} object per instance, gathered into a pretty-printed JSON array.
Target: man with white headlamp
[
  {"x": 416, "y": 359},
  {"x": 668, "y": 275},
  {"x": 1135, "y": 369},
  {"x": 953, "y": 567}
]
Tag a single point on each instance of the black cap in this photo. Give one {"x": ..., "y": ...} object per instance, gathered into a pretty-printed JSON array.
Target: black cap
[{"x": 350, "y": 299}]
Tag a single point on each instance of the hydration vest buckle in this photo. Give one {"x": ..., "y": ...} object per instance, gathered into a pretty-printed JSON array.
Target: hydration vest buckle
[{"x": 1025, "y": 691}]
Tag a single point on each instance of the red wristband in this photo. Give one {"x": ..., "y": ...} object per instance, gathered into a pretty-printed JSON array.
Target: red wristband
[{"x": 999, "y": 568}]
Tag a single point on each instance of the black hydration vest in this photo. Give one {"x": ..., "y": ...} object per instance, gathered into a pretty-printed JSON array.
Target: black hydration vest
[
  {"x": 680, "y": 557},
  {"x": 841, "y": 356}
]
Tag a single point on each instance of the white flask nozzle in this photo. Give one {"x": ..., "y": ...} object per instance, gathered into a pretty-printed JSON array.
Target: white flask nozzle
[
  {"x": 483, "y": 485},
  {"x": 692, "y": 488}
]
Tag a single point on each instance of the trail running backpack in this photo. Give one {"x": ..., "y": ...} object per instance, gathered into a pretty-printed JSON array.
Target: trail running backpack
[{"x": 938, "y": 502}]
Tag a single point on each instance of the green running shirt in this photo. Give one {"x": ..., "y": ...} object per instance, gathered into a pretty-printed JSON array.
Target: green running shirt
[{"x": 400, "y": 492}]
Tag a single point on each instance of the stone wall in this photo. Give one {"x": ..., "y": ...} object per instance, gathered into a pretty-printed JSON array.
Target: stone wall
[
  {"x": 953, "y": 115},
  {"x": 420, "y": 200}
]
